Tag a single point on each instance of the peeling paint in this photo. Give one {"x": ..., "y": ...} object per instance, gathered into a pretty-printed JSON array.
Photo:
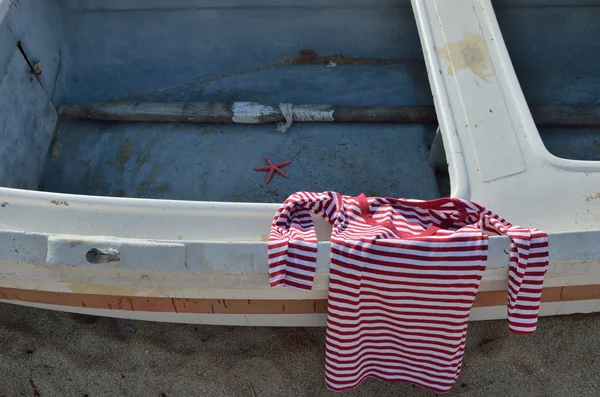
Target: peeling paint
[
  {"x": 251, "y": 112},
  {"x": 55, "y": 146},
  {"x": 470, "y": 53},
  {"x": 126, "y": 152},
  {"x": 312, "y": 113}
]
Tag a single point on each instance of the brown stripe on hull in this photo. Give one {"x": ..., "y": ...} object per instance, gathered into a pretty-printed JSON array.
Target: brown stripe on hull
[{"x": 250, "y": 306}]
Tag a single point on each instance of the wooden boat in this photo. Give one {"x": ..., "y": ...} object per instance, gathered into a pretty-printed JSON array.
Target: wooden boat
[{"x": 148, "y": 207}]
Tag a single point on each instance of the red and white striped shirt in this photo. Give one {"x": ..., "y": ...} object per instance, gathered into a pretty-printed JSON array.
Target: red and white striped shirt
[{"x": 402, "y": 281}]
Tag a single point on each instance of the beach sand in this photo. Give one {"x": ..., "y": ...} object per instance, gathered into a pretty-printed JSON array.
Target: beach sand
[{"x": 46, "y": 353}]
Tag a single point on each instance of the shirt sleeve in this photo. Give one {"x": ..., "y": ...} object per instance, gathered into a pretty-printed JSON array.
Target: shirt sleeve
[
  {"x": 527, "y": 267},
  {"x": 292, "y": 247}
]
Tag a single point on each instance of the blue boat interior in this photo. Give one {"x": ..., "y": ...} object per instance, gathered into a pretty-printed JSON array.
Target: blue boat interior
[
  {"x": 233, "y": 50},
  {"x": 556, "y": 56}
]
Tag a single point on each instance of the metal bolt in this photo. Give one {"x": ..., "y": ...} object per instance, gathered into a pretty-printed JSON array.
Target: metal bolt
[{"x": 37, "y": 69}]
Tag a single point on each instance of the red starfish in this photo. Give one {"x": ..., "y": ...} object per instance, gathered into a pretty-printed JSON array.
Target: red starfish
[{"x": 272, "y": 168}]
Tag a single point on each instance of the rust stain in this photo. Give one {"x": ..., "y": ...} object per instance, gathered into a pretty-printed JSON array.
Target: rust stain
[
  {"x": 126, "y": 152},
  {"x": 471, "y": 53},
  {"x": 74, "y": 242},
  {"x": 161, "y": 188},
  {"x": 594, "y": 197},
  {"x": 306, "y": 56},
  {"x": 310, "y": 57}
]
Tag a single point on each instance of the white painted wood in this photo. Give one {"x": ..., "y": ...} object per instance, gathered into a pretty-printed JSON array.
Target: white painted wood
[
  {"x": 546, "y": 309},
  {"x": 469, "y": 74},
  {"x": 508, "y": 168},
  {"x": 297, "y": 320},
  {"x": 218, "y": 250},
  {"x": 140, "y": 254},
  {"x": 220, "y": 267},
  {"x": 247, "y": 278}
]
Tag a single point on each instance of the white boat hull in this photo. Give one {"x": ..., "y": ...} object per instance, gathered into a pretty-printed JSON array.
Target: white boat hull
[{"x": 184, "y": 251}]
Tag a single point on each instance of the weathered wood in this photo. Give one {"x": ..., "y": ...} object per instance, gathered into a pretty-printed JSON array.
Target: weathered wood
[
  {"x": 251, "y": 306},
  {"x": 385, "y": 114},
  {"x": 193, "y": 112},
  {"x": 566, "y": 115},
  {"x": 255, "y": 113}
]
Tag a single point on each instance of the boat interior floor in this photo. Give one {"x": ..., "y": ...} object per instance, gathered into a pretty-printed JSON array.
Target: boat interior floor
[
  {"x": 245, "y": 52},
  {"x": 215, "y": 162}
]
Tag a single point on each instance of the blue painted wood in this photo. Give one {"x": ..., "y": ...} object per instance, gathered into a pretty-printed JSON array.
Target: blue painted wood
[
  {"x": 39, "y": 26},
  {"x": 207, "y": 51},
  {"x": 26, "y": 126},
  {"x": 134, "y": 53},
  {"x": 208, "y": 162},
  {"x": 216, "y": 162},
  {"x": 556, "y": 54}
]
